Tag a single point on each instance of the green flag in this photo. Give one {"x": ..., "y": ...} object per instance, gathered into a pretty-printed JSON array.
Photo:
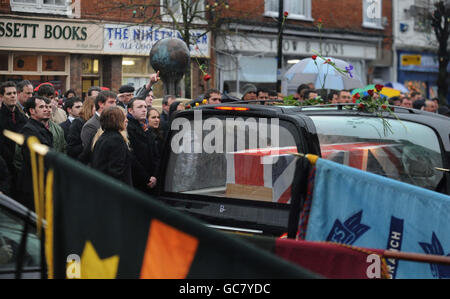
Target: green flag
[{"x": 118, "y": 232}]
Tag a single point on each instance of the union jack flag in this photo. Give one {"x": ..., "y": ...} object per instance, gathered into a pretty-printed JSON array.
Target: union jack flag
[
  {"x": 268, "y": 172},
  {"x": 359, "y": 155}
]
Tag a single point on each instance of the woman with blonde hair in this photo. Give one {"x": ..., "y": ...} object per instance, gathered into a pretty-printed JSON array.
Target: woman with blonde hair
[
  {"x": 74, "y": 145},
  {"x": 111, "y": 154}
]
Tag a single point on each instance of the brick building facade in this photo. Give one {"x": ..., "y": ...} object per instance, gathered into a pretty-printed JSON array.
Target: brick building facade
[
  {"x": 103, "y": 42},
  {"x": 357, "y": 31}
]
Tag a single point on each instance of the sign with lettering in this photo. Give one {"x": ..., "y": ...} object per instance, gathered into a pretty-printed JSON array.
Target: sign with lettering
[
  {"x": 300, "y": 47},
  {"x": 138, "y": 40},
  {"x": 411, "y": 59},
  {"x": 73, "y": 37}
]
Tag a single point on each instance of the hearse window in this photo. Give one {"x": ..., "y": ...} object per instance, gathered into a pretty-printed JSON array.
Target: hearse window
[
  {"x": 234, "y": 157},
  {"x": 409, "y": 154}
]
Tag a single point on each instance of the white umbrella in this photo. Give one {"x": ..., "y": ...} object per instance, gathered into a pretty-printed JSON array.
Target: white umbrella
[{"x": 323, "y": 74}]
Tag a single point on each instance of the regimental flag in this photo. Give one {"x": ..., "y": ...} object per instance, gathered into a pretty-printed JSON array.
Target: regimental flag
[
  {"x": 333, "y": 261},
  {"x": 261, "y": 174},
  {"x": 362, "y": 209},
  {"x": 118, "y": 232}
]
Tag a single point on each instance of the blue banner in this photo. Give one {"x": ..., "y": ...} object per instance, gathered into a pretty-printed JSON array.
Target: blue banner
[{"x": 363, "y": 209}]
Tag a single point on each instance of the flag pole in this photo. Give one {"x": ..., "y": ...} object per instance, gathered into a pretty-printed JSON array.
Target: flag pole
[
  {"x": 41, "y": 149},
  {"x": 417, "y": 257}
]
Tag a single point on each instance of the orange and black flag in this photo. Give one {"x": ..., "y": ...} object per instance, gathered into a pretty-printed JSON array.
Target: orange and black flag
[{"x": 118, "y": 232}]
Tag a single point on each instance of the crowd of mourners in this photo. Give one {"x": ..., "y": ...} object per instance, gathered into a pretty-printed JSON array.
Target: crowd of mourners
[{"x": 119, "y": 134}]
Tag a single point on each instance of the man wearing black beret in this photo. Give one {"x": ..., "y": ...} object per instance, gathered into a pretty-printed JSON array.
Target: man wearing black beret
[{"x": 126, "y": 92}]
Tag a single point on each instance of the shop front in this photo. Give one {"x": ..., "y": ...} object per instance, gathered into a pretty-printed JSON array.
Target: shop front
[
  {"x": 253, "y": 59},
  {"x": 43, "y": 50},
  {"x": 419, "y": 71},
  {"x": 133, "y": 44}
]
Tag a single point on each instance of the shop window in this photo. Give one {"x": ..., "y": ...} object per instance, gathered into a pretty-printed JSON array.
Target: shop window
[
  {"x": 4, "y": 62},
  {"x": 300, "y": 9},
  {"x": 136, "y": 70},
  {"x": 90, "y": 66},
  {"x": 55, "y": 63},
  {"x": 27, "y": 63},
  {"x": 134, "y": 65}
]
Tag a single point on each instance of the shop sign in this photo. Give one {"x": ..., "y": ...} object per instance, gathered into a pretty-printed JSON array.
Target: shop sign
[
  {"x": 301, "y": 47},
  {"x": 138, "y": 40},
  {"x": 419, "y": 62},
  {"x": 411, "y": 59},
  {"x": 48, "y": 35}
]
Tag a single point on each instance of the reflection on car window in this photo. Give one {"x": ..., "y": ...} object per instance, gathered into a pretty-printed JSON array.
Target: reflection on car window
[
  {"x": 245, "y": 158},
  {"x": 11, "y": 228},
  {"x": 409, "y": 154}
]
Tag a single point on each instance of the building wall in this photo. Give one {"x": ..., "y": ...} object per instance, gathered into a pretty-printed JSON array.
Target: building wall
[
  {"x": 415, "y": 48},
  {"x": 410, "y": 38},
  {"x": 343, "y": 35},
  {"x": 341, "y": 19}
]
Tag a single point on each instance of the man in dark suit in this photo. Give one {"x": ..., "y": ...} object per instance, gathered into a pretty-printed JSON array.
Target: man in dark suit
[
  {"x": 24, "y": 92},
  {"x": 166, "y": 102},
  {"x": 39, "y": 110},
  {"x": 72, "y": 106},
  {"x": 10, "y": 119},
  {"x": 142, "y": 145}
]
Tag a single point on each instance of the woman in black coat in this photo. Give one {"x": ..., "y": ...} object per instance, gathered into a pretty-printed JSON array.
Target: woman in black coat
[
  {"x": 154, "y": 121},
  {"x": 110, "y": 153}
]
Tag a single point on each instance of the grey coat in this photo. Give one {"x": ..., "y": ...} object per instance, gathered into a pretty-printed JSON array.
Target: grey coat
[{"x": 89, "y": 130}]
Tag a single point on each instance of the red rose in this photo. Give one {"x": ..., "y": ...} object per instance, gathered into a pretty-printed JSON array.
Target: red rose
[
  {"x": 370, "y": 92},
  {"x": 361, "y": 106},
  {"x": 314, "y": 57},
  {"x": 319, "y": 20},
  {"x": 379, "y": 87},
  {"x": 384, "y": 107},
  {"x": 206, "y": 77},
  {"x": 356, "y": 96},
  {"x": 286, "y": 14}
]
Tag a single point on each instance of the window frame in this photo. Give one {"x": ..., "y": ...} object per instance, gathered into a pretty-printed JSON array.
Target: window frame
[
  {"x": 366, "y": 23},
  {"x": 40, "y": 7},
  {"x": 178, "y": 15},
  {"x": 30, "y": 220},
  {"x": 166, "y": 186},
  {"x": 292, "y": 16}
]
